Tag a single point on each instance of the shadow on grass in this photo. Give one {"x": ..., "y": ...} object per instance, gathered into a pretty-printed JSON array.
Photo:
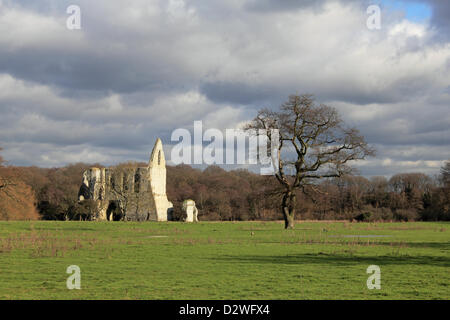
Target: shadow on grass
[
  {"x": 338, "y": 259},
  {"x": 434, "y": 245}
]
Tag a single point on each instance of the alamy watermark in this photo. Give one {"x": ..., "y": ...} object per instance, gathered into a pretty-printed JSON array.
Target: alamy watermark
[
  {"x": 73, "y": 22},
  {"x": 252, "y": 147},
  {"x": 374, "y": 280},
  {"x": 374, "y": 20},
  {"x": 74, "y": 280}
]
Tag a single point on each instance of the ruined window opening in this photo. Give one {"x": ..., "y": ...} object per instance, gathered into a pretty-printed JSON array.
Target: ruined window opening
[
  {"x": 114, "y": 213},
  {"x": 159, "y": 157},
  {"x": 137, "y": 182}
]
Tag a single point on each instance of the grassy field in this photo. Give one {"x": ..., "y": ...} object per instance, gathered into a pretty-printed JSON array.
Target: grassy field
[{"x": 208, "y": 260}]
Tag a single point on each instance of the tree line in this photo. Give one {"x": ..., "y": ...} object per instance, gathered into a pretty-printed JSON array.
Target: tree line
[
  {"x": 313, "y": 179},
  {"x": 30, "y": 193}
]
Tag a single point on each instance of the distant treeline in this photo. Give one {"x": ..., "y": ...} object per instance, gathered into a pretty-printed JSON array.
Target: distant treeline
[{"x": 51, "y": 194}]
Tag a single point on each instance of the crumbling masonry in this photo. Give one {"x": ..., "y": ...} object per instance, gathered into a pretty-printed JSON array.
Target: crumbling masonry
[{"x": 127, "y": 193}]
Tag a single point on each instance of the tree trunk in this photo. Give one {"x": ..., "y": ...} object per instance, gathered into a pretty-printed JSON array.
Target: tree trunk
[{"x": 288, "y": 209}]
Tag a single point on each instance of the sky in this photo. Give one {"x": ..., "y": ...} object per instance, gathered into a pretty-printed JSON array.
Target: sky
[
  {"x": 414, "y": 11},
  {"x": 139, "y": 70}
]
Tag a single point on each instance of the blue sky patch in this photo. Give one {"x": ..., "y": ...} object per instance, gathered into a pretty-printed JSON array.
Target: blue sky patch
[{"x": 416, "y": 11}]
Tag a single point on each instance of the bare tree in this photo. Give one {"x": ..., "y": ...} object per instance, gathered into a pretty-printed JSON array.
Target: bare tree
[
  {"x": 16, "y": 198},
  {"x": 5, "y": 181},
  {"x": 314, "y": 143},
  {"x": 378, "y": 191},
  {"x": 445, "y": 174}
]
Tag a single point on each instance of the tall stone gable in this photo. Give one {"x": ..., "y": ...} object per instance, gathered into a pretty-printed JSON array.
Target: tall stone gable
[{"x": 127, "y": 193}]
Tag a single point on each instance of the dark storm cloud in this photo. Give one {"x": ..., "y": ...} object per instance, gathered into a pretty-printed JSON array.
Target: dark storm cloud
[
  {"x": 89, "y": 71},
  {"x": 253, "y": 94},
  {"x": 441, "y": 17},
  {"x": 235, "y": 92}
]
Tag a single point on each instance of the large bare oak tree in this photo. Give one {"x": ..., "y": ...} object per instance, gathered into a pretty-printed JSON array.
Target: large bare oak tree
[{"x": 314, "y": 143}]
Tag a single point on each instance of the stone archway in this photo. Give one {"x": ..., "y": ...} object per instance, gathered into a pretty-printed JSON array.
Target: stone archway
[{"x": 114, "y": 213}]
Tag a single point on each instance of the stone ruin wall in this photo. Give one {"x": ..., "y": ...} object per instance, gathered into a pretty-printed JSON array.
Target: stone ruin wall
[{"x": 131, "y": 194}]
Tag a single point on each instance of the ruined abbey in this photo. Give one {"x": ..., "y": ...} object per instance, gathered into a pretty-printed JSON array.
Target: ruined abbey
[{"x": 128, "y": 193}]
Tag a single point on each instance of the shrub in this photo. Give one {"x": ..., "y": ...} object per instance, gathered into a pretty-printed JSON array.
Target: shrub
[
  {"x": 406, "y": 215},
  {"x": 371, "y": 214}
]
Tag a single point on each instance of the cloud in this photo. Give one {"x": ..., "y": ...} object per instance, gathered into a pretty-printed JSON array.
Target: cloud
[
  {"x": 439, "y": 19},
  {"x": 141, "y": 70}
]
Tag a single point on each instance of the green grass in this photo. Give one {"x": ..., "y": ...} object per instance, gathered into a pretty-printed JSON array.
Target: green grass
[{"x": 245, "y": 260}]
